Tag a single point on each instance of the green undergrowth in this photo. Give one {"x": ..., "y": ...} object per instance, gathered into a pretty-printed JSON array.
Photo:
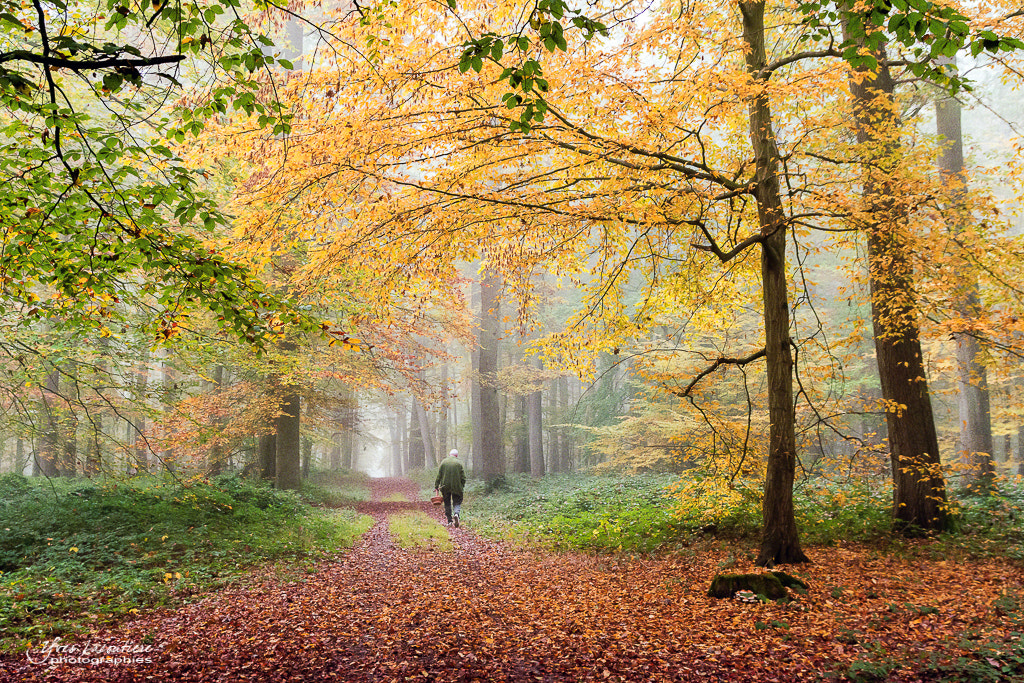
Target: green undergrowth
[
  {"x": 579, "y": 512},
  {"x": 336, "y": 488},
  {"x": 75, "y": 553},
  {"x": 648, "y": 512},
  {"x": 418, "y": 531}
]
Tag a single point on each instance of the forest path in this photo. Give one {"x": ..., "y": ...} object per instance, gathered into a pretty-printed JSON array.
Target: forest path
[{"x": 490, "y": 612}]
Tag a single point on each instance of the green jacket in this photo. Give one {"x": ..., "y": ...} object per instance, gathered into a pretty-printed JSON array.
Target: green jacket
[{"x": 450, "y": 476}]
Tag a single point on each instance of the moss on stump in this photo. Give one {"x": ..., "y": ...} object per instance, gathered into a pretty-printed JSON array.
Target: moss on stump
[
  {"x": 790, "y": 581},
  {"x": 726, "y": 585}
]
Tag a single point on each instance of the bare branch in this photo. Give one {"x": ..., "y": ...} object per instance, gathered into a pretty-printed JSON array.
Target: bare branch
[
  {"x": 685, "y": 393},
  {"x": 86, "y": 64}
]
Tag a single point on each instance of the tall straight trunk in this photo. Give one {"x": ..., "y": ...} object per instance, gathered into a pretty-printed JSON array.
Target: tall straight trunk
[
  {"x": 490, "y": 460},
  {"x": 267, "y": 449},
  {"x": 334, "y": 460},
  {"x": 416, "y": 445},
  {"x": 289, "y": 463},
  {"x": 535, "y": 422},
  {"x": 49, "y": 451},
  {"x": 395, "y": 461},
  {"x": 475, "y": 414},
  {"x": 139, "y": 422},
  {"x": 403, "y": 441},
  {"x": 429, "y": 457},
  {"x": 442, "y": 416},
  {"x": 919, "y": 489},
  {"x": 975, "y": 441},
  {"x": 554, "y": 435},
  {"x": 1020, "y": 450},
  {"x": 564, "y": 438},
  {"x": 780, "y": 541},
  {"x": 168, "y": 391},
  {"x": 94, "y": 451},
  {"x": 19, "y": 456},
  {"x": 307, "y": 456},
  {"x": 455, "y": 418},
  {"x": 520, "y": 437},
  {"x": 217, "y": 450},
  {"x": 347, "y": 450}
]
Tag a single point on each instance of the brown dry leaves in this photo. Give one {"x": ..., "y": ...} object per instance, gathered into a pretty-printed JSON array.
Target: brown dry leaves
[{"x": 489, "y": 612}]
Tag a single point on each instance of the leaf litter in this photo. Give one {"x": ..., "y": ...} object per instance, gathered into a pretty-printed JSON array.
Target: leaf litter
[{"x": 489, "y": 611}]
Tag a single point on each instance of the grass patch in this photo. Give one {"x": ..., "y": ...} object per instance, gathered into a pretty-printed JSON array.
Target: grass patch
[
  {"x": 336, "y": 488},
  {"x": 419, "y": 531},
  {"x": 395, "y": 498},
  {"x": 606, "y": 513},
  {"x": 78, "y": 552}
]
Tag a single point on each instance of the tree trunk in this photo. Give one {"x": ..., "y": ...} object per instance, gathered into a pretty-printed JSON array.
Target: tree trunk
[
  {"x": 289, "y": 470},
  {"x": 780, "y": 541},
  {"x": 139, "y": 423},
  {"x": 307, "y": 456},
  {"x": 554, "y": 436},
  {"x": 489, "y": 460},
  {"x": 403, "y": 446},
  {"x": 217, "y": 450},
  {"x": 975, "y": 442},
  {"x": 19, "y": 456},
  {"x": 564, "y": 436},
  {"x": 335, "y": 456},
  {"x": 520, "y": 437},
  {"x": 268, "y": 454},
  {"x": 429, "y": 457},
  {"x": 919, "y": 490},
  {"x": 535, "y": 415},
  {"x": 49, "y": 451},
  {"x": 475, "y": 414},
  {"x": 416, "y": 442},
  {"x": 1020, "y": 449},
  {"x": 442, "y": 416}
]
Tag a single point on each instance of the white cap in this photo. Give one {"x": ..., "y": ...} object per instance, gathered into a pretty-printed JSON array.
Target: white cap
[{"x": 454, "y": 452}]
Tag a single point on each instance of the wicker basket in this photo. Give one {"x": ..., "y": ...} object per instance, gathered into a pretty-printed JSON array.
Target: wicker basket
[{"x": 437, "y": 500}]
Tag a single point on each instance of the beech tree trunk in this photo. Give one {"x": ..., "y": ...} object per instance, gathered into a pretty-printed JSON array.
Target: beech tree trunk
[
  {"x": 554, "y": 433},
  {"x": 975, "y": 441},
  {"x": 442, "y": 417},
  {"x": 429, "y": 457},
  {"x": 307, "y": 457},
  {"x": 780, "y": 541},
  {"x": 919, "y": 490},
  {"x": 335, "y": 454},
  {"x": 48, "y": 454},
  {"x": 535, "y": 422},
  {"x": 289, "y": 462},
  {"x": 489, "y": 460},
  {"x": 139, "y": 423},
  {"x": 217, "y": 450},
  {"x": 520, "y": 437},
  {"x": 267, "y": 450}
]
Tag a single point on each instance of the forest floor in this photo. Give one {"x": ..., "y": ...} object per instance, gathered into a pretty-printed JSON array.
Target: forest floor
[{"x": 488, "y": 611}]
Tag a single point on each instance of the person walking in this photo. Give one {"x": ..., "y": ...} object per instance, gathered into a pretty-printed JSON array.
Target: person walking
[{"x": 450, "y": 481}]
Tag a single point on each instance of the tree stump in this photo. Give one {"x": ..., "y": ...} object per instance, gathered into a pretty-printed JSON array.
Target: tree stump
[{"x": 771, "y": 585}]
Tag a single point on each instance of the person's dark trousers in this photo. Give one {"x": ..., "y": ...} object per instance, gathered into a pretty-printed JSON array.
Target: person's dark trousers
[{"x": 449, "y": 500}]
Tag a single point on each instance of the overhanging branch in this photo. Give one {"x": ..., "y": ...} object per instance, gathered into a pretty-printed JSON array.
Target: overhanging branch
[
  {"x": 87, "y": 64},
  {"x": 685, "y": 393}
]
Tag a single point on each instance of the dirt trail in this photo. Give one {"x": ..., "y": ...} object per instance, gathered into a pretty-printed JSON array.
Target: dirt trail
[{"x": 484, "y": 612}]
